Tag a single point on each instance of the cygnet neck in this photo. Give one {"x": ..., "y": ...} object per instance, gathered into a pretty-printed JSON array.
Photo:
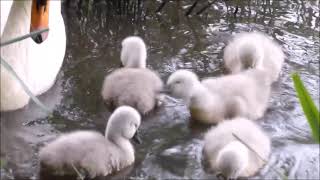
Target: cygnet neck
[
  {"x": 121, "y": 142},
  {"x": 200, "y": 93}
]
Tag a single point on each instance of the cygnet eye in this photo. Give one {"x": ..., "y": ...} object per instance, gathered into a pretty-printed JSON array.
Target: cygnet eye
[
  {"x": 134, "y": 125},
  {"x": 178, "y": 82}
]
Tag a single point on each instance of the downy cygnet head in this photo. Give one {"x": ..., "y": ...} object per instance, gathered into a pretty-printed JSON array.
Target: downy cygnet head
[
  {"x": 133, "y": 52},
  {"x": 181, "y": 83},
  {"x": 123, "y": 123}
]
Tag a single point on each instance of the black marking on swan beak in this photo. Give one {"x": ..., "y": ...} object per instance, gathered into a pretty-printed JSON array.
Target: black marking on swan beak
[
  {"x": 41, "y": 3},
  {"x": 37, "y": 38}
]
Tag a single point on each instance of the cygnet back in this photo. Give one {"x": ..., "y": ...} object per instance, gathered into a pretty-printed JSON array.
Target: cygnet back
[
  {"x": 91, "y": 151},
  {"x": 254, "y": 50},
  {"x": 217, "y": 138},
  {"x": 251, "y": 88},
  {"x": 138, "y": 88}
]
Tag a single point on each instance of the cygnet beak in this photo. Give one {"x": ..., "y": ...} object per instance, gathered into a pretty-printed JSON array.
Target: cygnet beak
[
  {"x": 136, "y": 138},
  {"x": 220, "y": 176},
  {"x": 121, "y": 65}
]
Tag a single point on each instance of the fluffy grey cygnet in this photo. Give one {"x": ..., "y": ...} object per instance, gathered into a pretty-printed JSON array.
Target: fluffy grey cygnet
[
  {"x": 134, "y": 85},
  {"x": 92, "y": 152},
  {"x": 212, "y": 100},
  {"x": 254, "y": 50},
  {"x": 229, "y": 156}
]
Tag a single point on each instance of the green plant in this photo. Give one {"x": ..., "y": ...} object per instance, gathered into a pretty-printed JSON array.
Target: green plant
[
  {"x": 309, "y": 108},
  {"x": 2, "y": 163}
]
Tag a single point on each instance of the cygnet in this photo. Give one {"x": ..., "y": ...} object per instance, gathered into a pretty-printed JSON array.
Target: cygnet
[
  {"x": 254, "y": 50},
  {"x": 92, "y": 152},
  {"x": 134, "y": 85},
  {"x": 229, "y": 156},
  {"x": 212, "y": 100}
]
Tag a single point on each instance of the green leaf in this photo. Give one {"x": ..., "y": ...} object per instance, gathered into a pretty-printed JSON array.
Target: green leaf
[
  {"x": 309, "y": 108},
  {"x": 2, "y": 163}
]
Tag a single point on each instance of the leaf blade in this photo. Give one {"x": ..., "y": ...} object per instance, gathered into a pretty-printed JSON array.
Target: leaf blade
[{"x": 309, "y": 108}]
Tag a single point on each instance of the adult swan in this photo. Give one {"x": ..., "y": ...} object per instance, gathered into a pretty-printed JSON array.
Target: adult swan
[{"x": 36, "y": 61}]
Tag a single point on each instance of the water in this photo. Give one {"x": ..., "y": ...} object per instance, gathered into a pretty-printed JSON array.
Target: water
[{"x": 172, "y": 144}]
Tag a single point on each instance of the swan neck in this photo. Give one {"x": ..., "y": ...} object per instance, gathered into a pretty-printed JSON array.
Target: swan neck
[{"x": 18, "y": 22}]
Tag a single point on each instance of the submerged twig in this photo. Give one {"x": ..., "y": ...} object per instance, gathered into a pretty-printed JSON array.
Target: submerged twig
[
  {"x": 191, "y": 8},
  {"x": 237, "y": 9},
  {"x": 164, "y": 2},
  {"x": 205, "y": 7},
  {"x": 78, "y": 173},
  {"x": 239, "y": 139}
]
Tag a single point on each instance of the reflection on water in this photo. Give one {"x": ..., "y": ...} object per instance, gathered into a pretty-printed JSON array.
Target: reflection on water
[{"x": 172, "y": 145}]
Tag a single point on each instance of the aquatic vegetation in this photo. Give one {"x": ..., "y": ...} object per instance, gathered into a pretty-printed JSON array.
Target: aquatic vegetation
[
  {"x": 2, "y": 163},
  {"x": 309, "y": 108}
]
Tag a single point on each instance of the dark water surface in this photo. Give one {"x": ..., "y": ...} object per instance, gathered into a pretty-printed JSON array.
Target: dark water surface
[{"x": 172, "y": 145}]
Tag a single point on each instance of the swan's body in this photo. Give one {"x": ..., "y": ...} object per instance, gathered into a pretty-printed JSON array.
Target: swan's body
[
  {"x": 98, "y": 155},
  {"x": 36, "y": 64},
  {"x": 134, "y": 85},
  {"x": 214, "y": 99},
  {"x": 5, "y": 10},
  {"x": 254, "y": 50},
  {"x": 229, "y": 156}
]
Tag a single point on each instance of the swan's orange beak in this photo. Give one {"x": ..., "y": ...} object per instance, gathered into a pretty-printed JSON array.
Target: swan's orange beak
[{"x": 39, "y": 19}]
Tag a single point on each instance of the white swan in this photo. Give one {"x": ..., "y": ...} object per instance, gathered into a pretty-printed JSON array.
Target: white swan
[
  {"x": 36, "y": 64},
  {"x": 254, "y": 50},
  {"x": 214, "y": 99},
  {"x": 98, "y": 155},
  {"x": 134, "y": 85},
  {"x": 229, "y": 156}
]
